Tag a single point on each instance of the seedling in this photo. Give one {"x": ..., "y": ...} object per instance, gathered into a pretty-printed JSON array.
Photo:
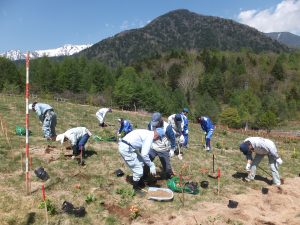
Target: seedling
[
  {"x": 90, "y": 198},
  {"x": 50, "y": 207},
  {"x": 134, "y": 212}
]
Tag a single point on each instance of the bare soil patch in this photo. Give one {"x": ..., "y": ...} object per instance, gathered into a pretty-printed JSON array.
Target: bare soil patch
[{"x": 279, "y": 206}]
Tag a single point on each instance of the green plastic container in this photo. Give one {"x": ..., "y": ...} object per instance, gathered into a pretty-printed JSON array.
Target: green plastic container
[
  {"x": 174, "y": 185},
  {"x": 20, "y": 131}
]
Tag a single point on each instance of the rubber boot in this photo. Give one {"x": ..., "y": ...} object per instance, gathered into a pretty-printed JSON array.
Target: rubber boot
[{"x": 137, "y": 189}]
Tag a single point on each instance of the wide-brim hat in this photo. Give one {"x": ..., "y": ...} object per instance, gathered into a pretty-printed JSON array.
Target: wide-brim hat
[{"x": 60, "y": 138}]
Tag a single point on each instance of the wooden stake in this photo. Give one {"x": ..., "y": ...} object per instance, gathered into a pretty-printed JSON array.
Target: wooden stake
[
  {"x": 81, "y": 155},
  {"x": 219, "y": 176},
  {"x": 213, "y": 163},
  {"x": 21, "y": 161},
  {"x": 182, "y": 188}
]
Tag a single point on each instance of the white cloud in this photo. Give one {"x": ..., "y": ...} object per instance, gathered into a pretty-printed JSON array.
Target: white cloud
[
  {"x": 285, "y": 17},
  {"x": 126, "y": 25}
]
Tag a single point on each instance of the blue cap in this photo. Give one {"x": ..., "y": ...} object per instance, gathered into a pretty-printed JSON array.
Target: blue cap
[
  {"x": 178, "y": 117},
  {"x": 156, "y": 117},
  {"x": 161, "y": 132},
  {"x": 185, "y": 110},
  {"x": 244, "y": 147}
]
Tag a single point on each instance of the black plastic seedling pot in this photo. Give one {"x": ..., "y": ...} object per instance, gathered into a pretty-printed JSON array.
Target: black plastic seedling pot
[
  {"x": 264, "y": 190},
  {"x": 204, "y": 184},
  {"x": 232, "y": 204}
]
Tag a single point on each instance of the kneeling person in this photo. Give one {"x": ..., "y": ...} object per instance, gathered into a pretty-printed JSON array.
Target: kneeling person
[
  {"x": 165, "y": 147},
  {"x": 78, "y": 137}
]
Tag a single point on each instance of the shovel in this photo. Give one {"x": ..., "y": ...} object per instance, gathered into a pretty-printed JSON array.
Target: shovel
[{"x": 179, "y": 154}]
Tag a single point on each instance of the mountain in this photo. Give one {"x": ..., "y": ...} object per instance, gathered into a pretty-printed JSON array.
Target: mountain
[
  {"x": 286, "y": 38},
  {"x": 66, "y": 50},
  {"x": 180, "y": 29}
]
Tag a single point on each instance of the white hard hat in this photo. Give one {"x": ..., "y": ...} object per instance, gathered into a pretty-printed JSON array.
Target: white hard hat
[{"x": 61, "y": 138}]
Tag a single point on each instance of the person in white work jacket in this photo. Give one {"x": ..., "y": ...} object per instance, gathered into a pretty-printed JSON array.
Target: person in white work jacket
[
  {"x": 261, "y": 147},
  {"x": 134, "y": 149},
  {"x": 78, "y": 137},
  {"x": 100, "y": 114}
]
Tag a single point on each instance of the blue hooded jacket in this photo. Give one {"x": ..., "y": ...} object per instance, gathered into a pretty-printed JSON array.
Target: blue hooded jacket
[
  {"x": 126, "y": 127},
  {"x": 206, "y": 124}
]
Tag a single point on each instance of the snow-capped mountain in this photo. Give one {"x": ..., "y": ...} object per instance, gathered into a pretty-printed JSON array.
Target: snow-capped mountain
[{"x": 62, "y": 51}]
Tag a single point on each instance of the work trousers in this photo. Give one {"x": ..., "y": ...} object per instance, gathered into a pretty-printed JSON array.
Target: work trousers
[
  {"x": 134, "y": 161},
  {"x": 274, "y": 168},
  {"x": 164, "y": 158},
  {"x": 49, "y": 124}
]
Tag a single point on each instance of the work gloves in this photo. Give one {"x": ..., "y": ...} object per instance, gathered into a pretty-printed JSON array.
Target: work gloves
[
  {"x": 153, "y": 169},
  {"x": 171, "y": 153},
  {"x": 181, "y": 139},
  {"x": 279, "y": 161},
  {"x": 248, "y": 166}
]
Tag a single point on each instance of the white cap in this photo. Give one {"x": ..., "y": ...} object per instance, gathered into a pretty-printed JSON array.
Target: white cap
[
  {"x": 30, "y": 106},
  {"x": 61, "y": 138}
]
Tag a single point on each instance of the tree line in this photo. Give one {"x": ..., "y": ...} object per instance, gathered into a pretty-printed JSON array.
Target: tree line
[{"x": 238, "y": 89}]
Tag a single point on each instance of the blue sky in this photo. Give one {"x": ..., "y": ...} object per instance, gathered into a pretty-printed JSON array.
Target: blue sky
[{"x": 29, "y": 25}]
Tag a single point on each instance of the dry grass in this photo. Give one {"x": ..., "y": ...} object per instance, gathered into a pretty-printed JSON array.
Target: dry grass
[{"x": 73, "y": 183}]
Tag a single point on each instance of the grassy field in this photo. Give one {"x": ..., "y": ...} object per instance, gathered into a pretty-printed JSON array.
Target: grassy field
[{"x": 108, "y": 198}]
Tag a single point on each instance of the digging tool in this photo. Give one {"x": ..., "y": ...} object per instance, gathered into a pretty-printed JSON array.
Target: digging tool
[
  {"x": 265, "y": 171},
  {"x": 179, "y": 154},
  {"x": 81, "y": 162},
  {"x": 213, "y": 175}
]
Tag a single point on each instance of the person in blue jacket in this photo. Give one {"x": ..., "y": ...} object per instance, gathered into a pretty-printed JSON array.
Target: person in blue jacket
[
  {"x": 47, "y": 116},
  {"x": 125, "y": 127},
  {"x": 185, "y": 130},
  {"x": 208, "y": 127}
]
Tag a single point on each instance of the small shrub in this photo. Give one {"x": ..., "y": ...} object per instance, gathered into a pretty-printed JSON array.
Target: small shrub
[
  {"x": 90, "y": 198},
  {"x": 50, "y": 207},
  {"x": 218, "y": 145},
  {"x": 134, "y": 212}
]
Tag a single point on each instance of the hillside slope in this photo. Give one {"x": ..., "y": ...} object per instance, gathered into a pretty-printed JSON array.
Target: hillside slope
[
  {"x": 112, "y": 196},
  {"x": 180, "y": 29},
  {"x": 286, "y": 38}
]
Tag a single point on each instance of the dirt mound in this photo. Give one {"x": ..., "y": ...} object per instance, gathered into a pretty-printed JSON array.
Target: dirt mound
[
  {"x": 278, "y": 206},
  {"x": 50, "y": 153}
]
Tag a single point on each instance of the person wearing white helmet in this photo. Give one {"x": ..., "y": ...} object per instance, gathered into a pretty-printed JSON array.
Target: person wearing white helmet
[
  {"x": 100, "y": 114},
  {"x": 78, "y": 137},
  {"x": 134, "y": 149},
  {"x": 47, "y": 116}
]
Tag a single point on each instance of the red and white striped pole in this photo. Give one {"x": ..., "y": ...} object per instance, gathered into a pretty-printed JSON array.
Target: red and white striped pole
[{"x": 27, "y": 125}]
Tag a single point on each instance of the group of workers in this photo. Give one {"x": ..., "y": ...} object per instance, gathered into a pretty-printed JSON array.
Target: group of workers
[{"x": 139, "y": 147}]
